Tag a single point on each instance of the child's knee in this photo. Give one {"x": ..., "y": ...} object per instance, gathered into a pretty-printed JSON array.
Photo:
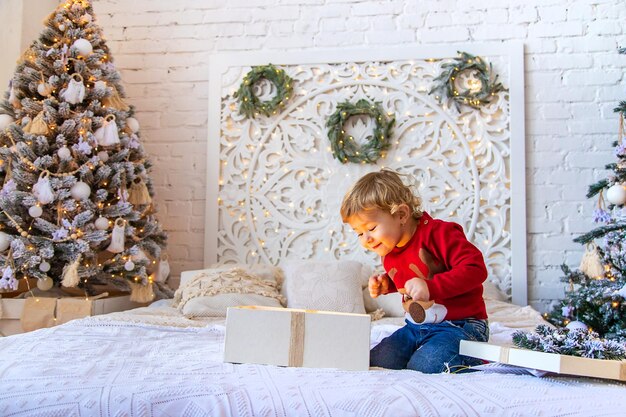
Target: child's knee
[{"x": 426, "y": 365}]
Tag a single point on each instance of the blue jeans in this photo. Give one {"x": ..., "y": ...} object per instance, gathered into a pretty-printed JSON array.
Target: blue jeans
[{"x": 430, "y": 348}]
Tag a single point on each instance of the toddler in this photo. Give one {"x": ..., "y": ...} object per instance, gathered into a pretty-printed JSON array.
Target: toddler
[{"x": 429, "y": 260}]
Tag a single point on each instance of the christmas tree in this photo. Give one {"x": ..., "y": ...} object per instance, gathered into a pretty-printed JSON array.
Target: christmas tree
[
  {"x": 596, "y": 294},
  {"x": 76, "y": 203}
]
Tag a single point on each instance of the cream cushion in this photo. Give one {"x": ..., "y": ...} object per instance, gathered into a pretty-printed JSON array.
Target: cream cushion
[
  {"x": 210, "y": 292},
  {"x": 325, "y": 285}
]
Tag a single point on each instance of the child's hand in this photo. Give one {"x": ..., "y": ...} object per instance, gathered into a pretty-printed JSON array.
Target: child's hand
[
  {"x": 417, "y": 289},
  {"x": 378, "y": 285}
]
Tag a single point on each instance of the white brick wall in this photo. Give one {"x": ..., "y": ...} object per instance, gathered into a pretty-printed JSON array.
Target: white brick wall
[{"x": 574, "y": 78}]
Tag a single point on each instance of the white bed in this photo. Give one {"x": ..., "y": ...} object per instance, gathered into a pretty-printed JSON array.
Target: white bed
[{"x": 154, "y": 362}]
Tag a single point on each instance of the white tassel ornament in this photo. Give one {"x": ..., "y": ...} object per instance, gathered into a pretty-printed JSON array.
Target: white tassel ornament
[
  {"x": 107, "y": 135},
  {"x": 42, "y": 190},
  {"x": 163, "y": 271},
  {"x": 590, "y": 264},
  {"x": 75, "y": 91},
  {"x": 117, "y": 236},
  {"x": 70, "y": 273}
]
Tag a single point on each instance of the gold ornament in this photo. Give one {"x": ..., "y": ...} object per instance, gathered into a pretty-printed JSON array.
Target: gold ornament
[
  {"x": 37, "y": 126},
  {"x": 115, "y": 101},
  {"x": 139, "y": 194},
  {"x": 141, "y": 293},
  {"x": 590, "y": 264}
]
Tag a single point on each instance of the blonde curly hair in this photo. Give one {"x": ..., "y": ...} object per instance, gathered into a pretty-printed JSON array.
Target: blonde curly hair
[{"x": 383, "y": 190}]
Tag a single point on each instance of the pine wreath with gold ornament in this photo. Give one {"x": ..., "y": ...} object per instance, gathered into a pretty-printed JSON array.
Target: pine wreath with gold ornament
[
  {"x": 346, "y": 149},
  {"x": 250, "y": 104},
  {"x": 480, "y": 89}
]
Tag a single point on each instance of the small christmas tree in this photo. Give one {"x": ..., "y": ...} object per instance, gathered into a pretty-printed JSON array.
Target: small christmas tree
[
  {"x": 76, "y": 203},
  {"x": 596, "y": 295}
]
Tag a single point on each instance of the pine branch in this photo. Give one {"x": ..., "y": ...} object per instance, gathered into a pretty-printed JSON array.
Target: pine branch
[
  {"x": 578, "y": 342},
  {"x": 621, "y": 108},
  {"x": 599, "y": 232},
  {"x": 597, "y": 187}
]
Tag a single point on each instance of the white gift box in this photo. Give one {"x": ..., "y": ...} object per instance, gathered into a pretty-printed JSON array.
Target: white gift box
[
  {"x": 300, "y": 338},
  {"x": 551, "y": 362}
]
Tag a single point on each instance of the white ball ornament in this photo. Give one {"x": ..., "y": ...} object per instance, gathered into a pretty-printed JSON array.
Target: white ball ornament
[
  {"x": 83, "y": 46},
  {"x": 102, "y": 223},
  {"x": 64, "y": 153},
  {"x": 35, "y": 211},
  {"x": 80, "y": 191},
  {"x": 129, "y": 265},
  {"x": 5, "y": 241},
  {"x": 5, "y": 121},
  {"x": 616, "y": 194},
  {"x": 44, "y": 89},
  {"x": 44, "y": 266},
  {"x": 573, "y": 325},
  {"x": 133, "y": 124},
  {"x": 61, "y": 27},
  {"x": 44, "y": 284},
  {"x": 103, "y": 156}
]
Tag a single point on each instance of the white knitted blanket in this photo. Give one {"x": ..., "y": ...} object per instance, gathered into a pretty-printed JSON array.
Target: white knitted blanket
[{"x": 151, "y": 362}]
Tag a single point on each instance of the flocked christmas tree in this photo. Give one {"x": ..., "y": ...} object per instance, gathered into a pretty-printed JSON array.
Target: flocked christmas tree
[
  {"x": 596, "y": 294},
  {"x": 76, "y": 204}
]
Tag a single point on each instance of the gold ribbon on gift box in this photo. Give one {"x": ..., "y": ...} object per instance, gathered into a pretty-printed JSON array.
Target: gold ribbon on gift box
[
  {"x": 296, "y": 339},
  {"x": 296, "y": 333},
  {"x": 504, "y": 354}
]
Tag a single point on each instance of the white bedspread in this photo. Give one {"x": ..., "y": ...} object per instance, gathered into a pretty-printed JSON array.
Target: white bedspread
[{"x": 99, "y": 367}]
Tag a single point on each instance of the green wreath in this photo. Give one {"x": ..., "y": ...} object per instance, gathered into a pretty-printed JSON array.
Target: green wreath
[
  {"x": 467, "y": 63},
  {"x": 249, "y": 104},
  {"x": 347, "y": 149}
]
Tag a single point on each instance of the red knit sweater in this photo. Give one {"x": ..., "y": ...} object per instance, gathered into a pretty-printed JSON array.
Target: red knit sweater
[{"x": 458, "y": 285}]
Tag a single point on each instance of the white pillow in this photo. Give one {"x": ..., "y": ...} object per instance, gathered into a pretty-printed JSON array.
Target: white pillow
[
  {"x": 217, "y": 305},
  {"x": 266, "y": 272},
  {"x": 211, "y": 291},
  {"x": 325, "y": 285}
]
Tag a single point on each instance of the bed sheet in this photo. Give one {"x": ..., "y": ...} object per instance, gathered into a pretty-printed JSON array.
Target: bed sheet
[{"x": 152, "y": 363}]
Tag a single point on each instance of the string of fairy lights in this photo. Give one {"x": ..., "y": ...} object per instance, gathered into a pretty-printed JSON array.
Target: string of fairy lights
[{"x": 304, "y": 92}]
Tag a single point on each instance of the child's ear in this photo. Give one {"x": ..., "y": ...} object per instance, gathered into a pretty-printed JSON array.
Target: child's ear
[{"x": 403, "y": 212}]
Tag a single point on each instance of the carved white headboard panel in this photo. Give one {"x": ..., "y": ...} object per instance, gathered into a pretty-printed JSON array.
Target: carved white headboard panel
[{"x": 274, "y": 188}]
